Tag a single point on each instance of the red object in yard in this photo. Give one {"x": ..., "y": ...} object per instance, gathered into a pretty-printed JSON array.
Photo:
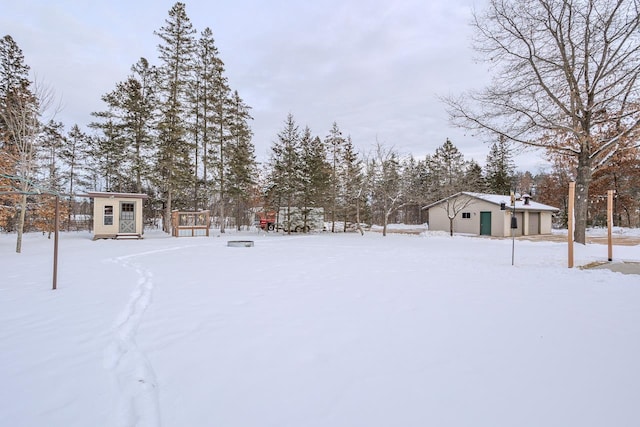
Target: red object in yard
[{"x": 266, "y": 220}]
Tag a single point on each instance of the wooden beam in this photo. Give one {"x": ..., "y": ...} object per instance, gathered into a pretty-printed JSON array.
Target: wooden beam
[
  {"x": 610, "y": 222},
  {"x": 572, "y": 195}
]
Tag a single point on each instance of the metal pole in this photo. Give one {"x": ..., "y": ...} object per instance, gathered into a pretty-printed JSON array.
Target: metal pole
[
  {"x": 55, "y": 244},
  {"x": 513, "y": 235},
  {"x": 610, "y": 222}
]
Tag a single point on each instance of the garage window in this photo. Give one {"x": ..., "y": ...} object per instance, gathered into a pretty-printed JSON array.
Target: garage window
[{"x": 466, "y": 215}]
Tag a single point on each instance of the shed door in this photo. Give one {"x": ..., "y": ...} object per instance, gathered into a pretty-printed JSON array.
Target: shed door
[
  {"x": 127, "y": 217},
  {"x": 534, "y": 223},
  {"x": 485, "y": 223}
]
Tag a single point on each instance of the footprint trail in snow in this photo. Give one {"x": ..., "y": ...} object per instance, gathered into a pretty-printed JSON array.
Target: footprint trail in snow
[{"x": 137, "y": 391}]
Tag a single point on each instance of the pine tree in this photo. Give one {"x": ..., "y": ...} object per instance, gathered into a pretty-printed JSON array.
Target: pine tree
[
  {"x": 140, "y": 102},
  {"x": 21, "y": 105},
  {"x": 334, "y": 141},
  {"x": 208, "y": 70},
  {"x": 108, "y": 153},
  {"x": 314, "y": 173},
  {"x": 474, "y": 178},
  {"x": 414, "y": 190},
  {"x": 447, "y": 166},
  {"x": 241, "y": 163},
  {"x": 129, "y": 120},
  {"x": 74, "y": 154},
  {"x": 174, "y": 168},
  {"x": 352, "y": 184},
  {"x": 450, "y": 175},
  {"x": 500, "y": 168},
  {"x": 285, "y": 166},
  {"x": 14, "y": 80},
  {"x": 214, "y": 111},
  {"x": 50, "y": 152}
]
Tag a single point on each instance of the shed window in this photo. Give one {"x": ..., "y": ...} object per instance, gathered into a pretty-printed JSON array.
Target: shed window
[
  {"x": 127, "y": 211},
  {"x": 466, "y": 215},
  {"x": 108, "y": 215}
]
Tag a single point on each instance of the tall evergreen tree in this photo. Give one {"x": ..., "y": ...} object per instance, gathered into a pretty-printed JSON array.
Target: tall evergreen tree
[
  {"x": 50, "y": 148},
  {"x": 286, "y": 167},
  {"x": 241, "y": 163},
  {"x": 176, "y": 54},
  {"x": 415, "y": 193},
  {"x": 474, "y": 179},
  {"x": 448, "y": 167},
  {"x": 74, "y": 155},
  {"x": 140, "y": 101},
  {"x": 352, "y": 184},
  {"x": 334, "y": 141},
  {"x": 208, "y": 70},
  {"x": 500, "y": 168},
  {"x": 21, "y": 106},
  {"x": 129, "y": 118},
  {"x": 14, "y": 80},
  {"x": 223, "y": 108},
  {"x": 108, "y": 153},
  {"x": 315, "y": 171}
]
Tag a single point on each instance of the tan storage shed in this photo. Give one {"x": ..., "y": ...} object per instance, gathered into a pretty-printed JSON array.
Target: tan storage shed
[
  {"x": 481, "y": 214},
  {"x": 117, "y": 215}
]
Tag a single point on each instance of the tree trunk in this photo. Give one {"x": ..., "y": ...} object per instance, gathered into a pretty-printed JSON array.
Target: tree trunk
[
  {"x": 385, "y": 216},
  {"x": 358, "y": 216},
  {"x": 583, "y": 179},
  {"x": 23, "y": 211},
  {"x": 451, "y": 227},
  {"x": 222, "y": 216},
  {"x": 166, "y": 224}
]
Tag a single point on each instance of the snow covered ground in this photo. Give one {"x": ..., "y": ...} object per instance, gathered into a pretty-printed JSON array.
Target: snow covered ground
[{"x": 317, "y": 330}]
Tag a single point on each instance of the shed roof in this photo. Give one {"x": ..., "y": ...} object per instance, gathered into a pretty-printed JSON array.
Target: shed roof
[
  {"x": 497, "y": 199},
  {"x": 108, "y": 195}
]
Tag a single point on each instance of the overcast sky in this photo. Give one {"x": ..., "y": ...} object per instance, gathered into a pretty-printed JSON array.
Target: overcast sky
[{"x": 374, "y": 67}]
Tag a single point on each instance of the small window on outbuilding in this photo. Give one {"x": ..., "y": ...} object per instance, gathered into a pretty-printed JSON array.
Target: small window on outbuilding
[
  {"x": 466, "y": 215},
  {"x": 108, "y": 215}
]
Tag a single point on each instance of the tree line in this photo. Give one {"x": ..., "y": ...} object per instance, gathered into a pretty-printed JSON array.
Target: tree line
[
  {"x": 383, "y": 186},
  {"x": 179, "y": 133}
]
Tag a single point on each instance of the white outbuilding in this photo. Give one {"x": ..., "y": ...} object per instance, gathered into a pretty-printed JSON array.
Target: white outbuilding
[
  {"x": 490, "y": 215},
  {"x": 117, "y": 215}
]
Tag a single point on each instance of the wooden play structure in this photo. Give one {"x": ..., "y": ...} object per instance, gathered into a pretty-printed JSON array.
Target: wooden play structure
[{"x": 190, "y": 224}]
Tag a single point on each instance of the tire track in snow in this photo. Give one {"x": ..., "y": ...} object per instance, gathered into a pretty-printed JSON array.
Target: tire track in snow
[{"x": 137, "y": 401}]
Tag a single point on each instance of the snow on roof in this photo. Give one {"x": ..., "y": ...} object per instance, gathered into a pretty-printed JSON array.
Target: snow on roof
[
  {"x": 520, "y": 205},
  {"x": 106, "y": 194},
  {"x": 497, "y": 199}
]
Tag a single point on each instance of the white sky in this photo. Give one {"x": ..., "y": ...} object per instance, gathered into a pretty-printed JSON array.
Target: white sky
[{"x": 376, "y": 67}]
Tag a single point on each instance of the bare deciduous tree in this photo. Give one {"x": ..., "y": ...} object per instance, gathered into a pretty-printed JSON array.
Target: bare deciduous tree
[
  {"x": 22, "y": 118},
  {"x": 454, "y": 205},
  {"x": 385, "y": 181},
  {"x": 566, "y": 80}
]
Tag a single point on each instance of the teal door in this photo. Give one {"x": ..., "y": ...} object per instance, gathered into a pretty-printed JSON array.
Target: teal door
[
  {"x": 127, "y": 217},
  {"x": 485, "y": 223}
]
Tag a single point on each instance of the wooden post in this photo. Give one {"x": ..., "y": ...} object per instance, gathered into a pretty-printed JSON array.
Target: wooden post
[
  {"x": 572, "y": 195},
  {"x": 610, "y": 222},
  {"x": 56, "y": 225}
]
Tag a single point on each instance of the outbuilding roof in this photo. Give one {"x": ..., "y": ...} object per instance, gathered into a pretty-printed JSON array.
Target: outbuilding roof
[
  {"x": 107, "y": 195},
  {"x": 498, "y": 199}
]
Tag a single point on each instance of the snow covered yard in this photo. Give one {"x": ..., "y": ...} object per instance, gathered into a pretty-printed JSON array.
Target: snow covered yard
[{"x": 319, "y": 330}]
